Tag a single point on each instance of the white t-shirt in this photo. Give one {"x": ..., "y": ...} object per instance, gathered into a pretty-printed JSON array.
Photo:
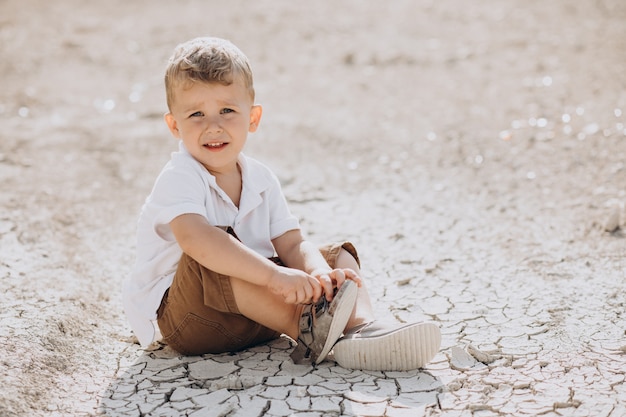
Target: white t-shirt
[{"x": 185, "y": 186}]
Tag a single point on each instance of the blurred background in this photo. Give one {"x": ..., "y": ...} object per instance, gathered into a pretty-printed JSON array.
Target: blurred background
[{"x": 447, "y": 139}]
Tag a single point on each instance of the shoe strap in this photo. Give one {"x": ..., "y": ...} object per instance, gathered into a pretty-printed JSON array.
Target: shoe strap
[{"x": 310, "y": 312}]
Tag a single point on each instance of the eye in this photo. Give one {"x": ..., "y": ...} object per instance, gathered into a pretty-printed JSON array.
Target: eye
[
  {"x": 226, "y": 111},
  {"x": 196, "y": 114}
]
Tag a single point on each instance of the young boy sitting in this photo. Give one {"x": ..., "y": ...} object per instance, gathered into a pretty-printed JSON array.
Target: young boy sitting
[{"x": 221, "y": 262}]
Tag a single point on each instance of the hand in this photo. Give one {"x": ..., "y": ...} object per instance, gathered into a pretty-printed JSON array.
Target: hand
[
  {"x": 295, "y": 286},
  {"x": 329, "y": 280}
]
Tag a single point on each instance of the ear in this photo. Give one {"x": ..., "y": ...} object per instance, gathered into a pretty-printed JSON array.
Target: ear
[
  {"x": 255, "y": 117},
  {"x": 171, "y": 124}
]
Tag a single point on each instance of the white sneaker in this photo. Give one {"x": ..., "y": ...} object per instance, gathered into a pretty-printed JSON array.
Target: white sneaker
[{"x": 382, "y": 347}]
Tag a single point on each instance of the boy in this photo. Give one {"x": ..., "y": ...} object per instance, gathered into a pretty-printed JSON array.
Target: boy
[{"x": 221, "y": 262}]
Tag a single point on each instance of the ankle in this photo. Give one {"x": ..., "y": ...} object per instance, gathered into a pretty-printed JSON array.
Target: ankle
[
  {"x": 294, "y": 326},
  {"x": 359, "y": 320}
]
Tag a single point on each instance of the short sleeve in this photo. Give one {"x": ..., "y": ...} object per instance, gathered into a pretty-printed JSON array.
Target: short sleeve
[
  {"x": 176, "y": 192},
  {"x": 281, "y": 218}
]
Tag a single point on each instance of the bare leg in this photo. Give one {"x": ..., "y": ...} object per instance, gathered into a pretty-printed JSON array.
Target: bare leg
[
  {"x": 285, "y": 318},
  {"x": 274, "y": 313},
  {"x": 363, "y": 311}
]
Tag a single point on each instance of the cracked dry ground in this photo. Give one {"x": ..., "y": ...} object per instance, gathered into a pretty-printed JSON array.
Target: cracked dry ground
[{"x": 474, "y": 154}]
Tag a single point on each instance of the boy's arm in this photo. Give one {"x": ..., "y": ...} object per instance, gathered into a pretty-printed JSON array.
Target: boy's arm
[
  {"x": 220, "y": 252},
  {"x": 296, "y": 252}
]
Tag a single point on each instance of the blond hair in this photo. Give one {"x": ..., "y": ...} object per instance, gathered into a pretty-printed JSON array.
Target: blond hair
[{"x": 208, "y": 60}]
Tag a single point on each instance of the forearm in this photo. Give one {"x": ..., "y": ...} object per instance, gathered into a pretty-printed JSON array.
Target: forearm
[
  {"x": 295, "y": 252},
  {"x": 220, "y": 252}
]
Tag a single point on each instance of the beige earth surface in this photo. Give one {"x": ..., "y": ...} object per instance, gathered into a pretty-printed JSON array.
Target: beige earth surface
[{"x": 473, "y": 151}]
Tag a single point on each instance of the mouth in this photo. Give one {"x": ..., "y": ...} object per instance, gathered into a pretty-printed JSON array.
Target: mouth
[{"x": 214, "y": 146}]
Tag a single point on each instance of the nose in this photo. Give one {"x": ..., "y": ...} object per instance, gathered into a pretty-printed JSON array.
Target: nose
[{"x": 213, "y": 126}]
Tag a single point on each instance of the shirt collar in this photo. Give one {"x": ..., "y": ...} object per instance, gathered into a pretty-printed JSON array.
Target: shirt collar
[{"x": 254, "y": 181}]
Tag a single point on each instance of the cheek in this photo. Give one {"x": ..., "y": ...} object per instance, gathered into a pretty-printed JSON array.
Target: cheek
[
  {"x": 237, "y": 126},
  {"x": 191, "y": 128}
]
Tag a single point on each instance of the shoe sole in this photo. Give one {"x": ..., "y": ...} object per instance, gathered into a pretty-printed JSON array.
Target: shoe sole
[
  {"x": 403, "y": 349},
  {"x": 340, "y": 309}
]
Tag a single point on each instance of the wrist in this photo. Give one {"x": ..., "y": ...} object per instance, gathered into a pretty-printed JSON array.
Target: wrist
[{"x": 269, "y": 273}]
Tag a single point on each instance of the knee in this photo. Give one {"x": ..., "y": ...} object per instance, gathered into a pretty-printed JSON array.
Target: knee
[{"x": 348, "y": 259}]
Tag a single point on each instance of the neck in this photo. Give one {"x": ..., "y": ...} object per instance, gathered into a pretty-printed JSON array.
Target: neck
[{"x": 231, "y": 183}]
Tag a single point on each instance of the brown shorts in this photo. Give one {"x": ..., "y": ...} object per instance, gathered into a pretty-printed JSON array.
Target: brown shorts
[{"x": 198, "y": 313}]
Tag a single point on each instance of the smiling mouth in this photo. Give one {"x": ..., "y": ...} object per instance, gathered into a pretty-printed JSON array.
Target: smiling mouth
[{"x": 215, "y": 145}]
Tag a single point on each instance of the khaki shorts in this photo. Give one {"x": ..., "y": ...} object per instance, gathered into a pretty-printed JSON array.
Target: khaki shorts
[{"x": 198, "y": 313}]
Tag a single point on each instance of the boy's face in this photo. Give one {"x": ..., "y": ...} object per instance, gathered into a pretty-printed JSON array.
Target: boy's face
[{"x": 213, "y": 121}]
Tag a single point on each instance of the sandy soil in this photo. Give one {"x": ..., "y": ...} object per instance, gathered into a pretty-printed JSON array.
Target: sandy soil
[{"x": 431, "y": 133}]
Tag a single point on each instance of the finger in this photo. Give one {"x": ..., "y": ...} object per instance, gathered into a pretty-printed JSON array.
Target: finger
[
  {"x": 327, "y": 285},
  {"x": 317, "y": 289},
  {"x": 313, "y": 289},
  {"x": 303, "y": 297},
  {"x": 353, "y": 276},
  {"x": 309, "y": 292},
  {"x": 339, "y": 277}
]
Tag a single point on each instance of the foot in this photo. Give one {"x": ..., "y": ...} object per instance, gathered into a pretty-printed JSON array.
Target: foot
[
  {"x": 321, "y": 324},
  {"x": 379, "y": 347}
]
